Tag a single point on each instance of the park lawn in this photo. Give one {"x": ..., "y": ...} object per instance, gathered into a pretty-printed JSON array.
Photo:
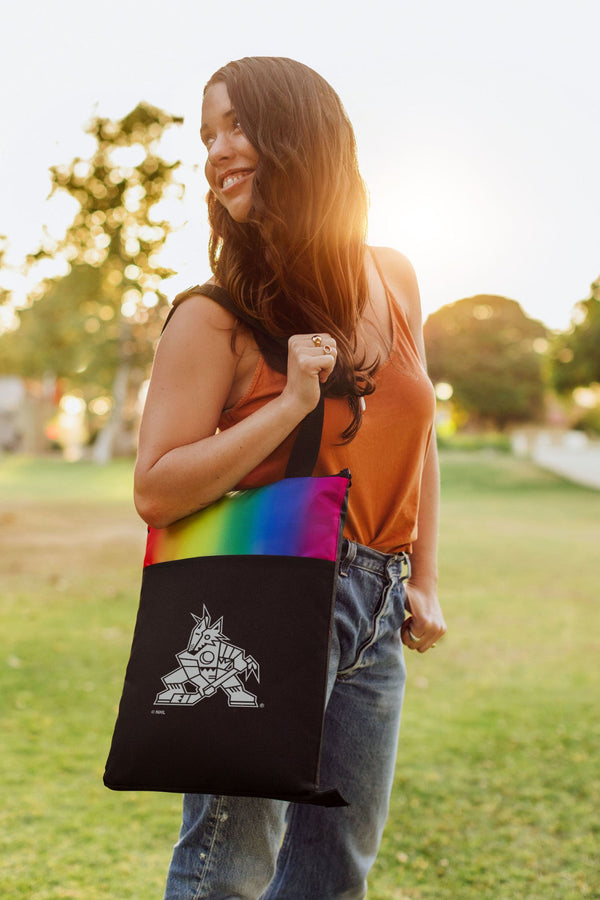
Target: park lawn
[{"x": 497, "y": 785}]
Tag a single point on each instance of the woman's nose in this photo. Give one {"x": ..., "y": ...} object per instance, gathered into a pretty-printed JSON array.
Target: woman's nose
[{"x": 219, "y": 149}]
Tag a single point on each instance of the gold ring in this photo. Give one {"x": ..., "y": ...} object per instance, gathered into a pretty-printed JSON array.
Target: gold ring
[
  {"x": 316, "y": 339},
  {"x": 415, "y": 640},
  {"x": 327, "y": 349}
]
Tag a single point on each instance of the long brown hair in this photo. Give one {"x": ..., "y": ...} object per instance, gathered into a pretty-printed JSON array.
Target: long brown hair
[{"x": 297, "y": 264}]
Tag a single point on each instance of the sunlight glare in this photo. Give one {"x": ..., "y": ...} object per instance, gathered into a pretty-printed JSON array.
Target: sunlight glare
[
  {"x": 587, "y": 397},
  {"x": 129, "y": 304},
  {"x": 132, "y": 272},
  {"x": 132, "y": 198},
  {"x": 443, "y": 390},
  {"x": 72, "y": 405},
  {"x": 170, "y": 210},
  {"x": 99, "y": 406},
  {"x": 127, "y": 157}
]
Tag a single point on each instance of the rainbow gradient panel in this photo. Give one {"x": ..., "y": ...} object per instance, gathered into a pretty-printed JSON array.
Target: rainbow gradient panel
[{"x": 291, "y": 517}]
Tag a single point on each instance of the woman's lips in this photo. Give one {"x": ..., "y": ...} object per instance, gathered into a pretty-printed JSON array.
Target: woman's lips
[{"x": 232, "y": 178}]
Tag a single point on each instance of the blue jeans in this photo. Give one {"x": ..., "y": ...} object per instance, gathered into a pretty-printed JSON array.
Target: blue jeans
[{"x": 247, "y": 848}]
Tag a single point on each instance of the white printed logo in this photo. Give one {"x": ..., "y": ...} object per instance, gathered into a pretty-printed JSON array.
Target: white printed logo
[{"x": 208, "y": 663}]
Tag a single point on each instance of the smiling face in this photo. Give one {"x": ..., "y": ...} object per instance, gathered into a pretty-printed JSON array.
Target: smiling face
[{"x": 232, "y": 159}]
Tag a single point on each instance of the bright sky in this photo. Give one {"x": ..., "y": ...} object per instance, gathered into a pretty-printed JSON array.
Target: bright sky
[{"x": 477, "y": 122}]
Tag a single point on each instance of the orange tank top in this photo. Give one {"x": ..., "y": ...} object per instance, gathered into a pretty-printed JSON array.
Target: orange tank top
[{"x": 386, "y": 456}]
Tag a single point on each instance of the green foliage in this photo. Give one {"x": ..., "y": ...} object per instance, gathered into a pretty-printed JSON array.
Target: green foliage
[
  {"x": 589, "y": 421},
  {"x": 484, "y": 347},
  {"x": 495, "y": 442},
  {"x": 107, "y": 311},
  {"x": 496, "y": 783},
  {"x": 4, "y": 294},
  {"x": 77, "y": 333},
  {"x": 576, "y": 354}
]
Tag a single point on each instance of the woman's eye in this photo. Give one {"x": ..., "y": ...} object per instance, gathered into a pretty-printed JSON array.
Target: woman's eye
[{"x": 209, "y": 139}]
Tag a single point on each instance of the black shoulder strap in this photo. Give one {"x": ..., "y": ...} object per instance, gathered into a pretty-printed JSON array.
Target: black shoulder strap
[
  {"x": 308, "y": 440},
  {"x": 305, "y": 451}
]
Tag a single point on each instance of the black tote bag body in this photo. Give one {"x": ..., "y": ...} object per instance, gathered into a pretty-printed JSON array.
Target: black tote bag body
[
  {"x": 258, "y": 732},
  {"x": 225, "y": 688}
]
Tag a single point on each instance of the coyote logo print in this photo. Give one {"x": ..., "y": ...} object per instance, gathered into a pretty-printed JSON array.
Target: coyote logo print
[{"x": 208, "y": 664}]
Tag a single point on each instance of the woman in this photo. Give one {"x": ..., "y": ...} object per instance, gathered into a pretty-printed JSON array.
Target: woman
[{"x": 287, "y": 209}]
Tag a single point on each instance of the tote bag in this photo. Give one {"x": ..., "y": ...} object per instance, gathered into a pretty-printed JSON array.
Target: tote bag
[{"x": 225, "y": 688}]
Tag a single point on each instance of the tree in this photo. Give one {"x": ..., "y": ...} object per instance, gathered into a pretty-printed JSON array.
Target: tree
[
  {"x": 489, "y": 351},
  {"x": 576, "y": 353},
  {"x": 96, "y": 327},
  {"x": 4, "y": 294}
]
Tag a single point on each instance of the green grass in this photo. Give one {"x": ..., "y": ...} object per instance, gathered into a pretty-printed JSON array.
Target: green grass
[
  {"x": 497, "y": 786},
  {"x": 28, "y": 479}
]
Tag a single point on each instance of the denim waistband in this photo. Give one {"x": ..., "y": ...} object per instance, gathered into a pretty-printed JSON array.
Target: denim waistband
[{"x": 354, "y": 554}]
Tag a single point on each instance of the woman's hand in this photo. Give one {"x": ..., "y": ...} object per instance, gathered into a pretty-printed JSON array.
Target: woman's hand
[
  {"x": 311, "y": 359},
  {"x": 425, "y": 623}
]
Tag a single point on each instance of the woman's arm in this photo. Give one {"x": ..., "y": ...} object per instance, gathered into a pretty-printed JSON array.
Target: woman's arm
[
  {"x": 182, "y": 464},
  {"x": 426, "y": 621}
]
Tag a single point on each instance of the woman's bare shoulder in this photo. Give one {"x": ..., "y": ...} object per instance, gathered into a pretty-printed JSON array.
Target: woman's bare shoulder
[
  {"x": 400, "y": 277},
  {"x": 196, "y": 310},
  {"x": 208, "y": 346},
  {"x": 195, "y": 347},
  {"x": 397, "y": 269},
  {"x": 197, "y": 320},
  {"x": 199, "y": 308}
]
